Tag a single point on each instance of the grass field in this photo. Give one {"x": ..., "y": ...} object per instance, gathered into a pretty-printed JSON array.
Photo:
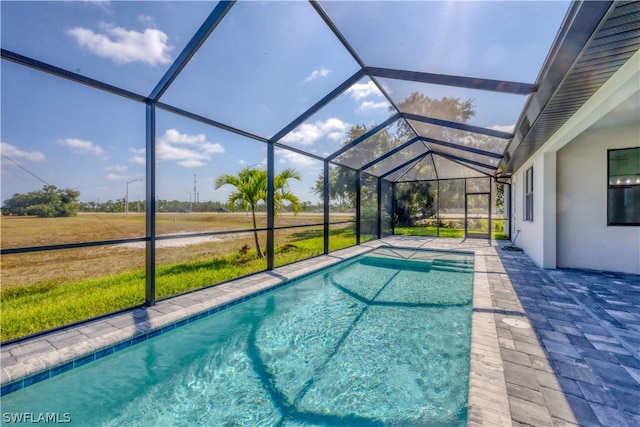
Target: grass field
[
  {"x": 47, "y": 289},
  {"x": 93, "y": 262},
  {"x": 43, "y": 290},
  {"x": 20, "y": 232}
]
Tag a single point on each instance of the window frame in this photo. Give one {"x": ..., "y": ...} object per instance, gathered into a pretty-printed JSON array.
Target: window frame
[
  {"x": 527, "y": 212},
  {"x": 611, "y": 187}
]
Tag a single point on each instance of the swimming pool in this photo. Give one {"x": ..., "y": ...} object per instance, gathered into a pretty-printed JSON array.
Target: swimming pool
[{"x": 383, "y": 339}]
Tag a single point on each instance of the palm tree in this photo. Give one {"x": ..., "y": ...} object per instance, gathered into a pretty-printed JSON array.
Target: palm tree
[{"x": 251, "y": 188}]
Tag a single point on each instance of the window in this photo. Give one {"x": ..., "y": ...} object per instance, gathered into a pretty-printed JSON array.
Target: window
[
  {"x": 623, "y": 196},
  {"x": 528, "y": 194}
]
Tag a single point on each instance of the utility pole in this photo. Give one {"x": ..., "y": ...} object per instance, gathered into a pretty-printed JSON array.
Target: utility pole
[{"x": 195, "y": 190}]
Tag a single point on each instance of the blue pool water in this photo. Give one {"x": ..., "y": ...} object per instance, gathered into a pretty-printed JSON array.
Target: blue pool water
[{"x": 380, "y": 340}]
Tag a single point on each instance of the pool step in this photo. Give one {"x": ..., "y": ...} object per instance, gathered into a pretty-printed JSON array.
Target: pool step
[
  {"x": 396, "y": 264},
  {"x": 451, "y": 269},
  {"x": 455, "y": 265},
  {"x": 452, "y": 265}
]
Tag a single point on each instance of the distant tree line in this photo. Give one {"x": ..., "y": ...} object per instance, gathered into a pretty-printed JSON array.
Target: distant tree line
[
  {"x": 51, "y": 201},
  {"x": 46, "y": 203},
  {"x": 162, "y": 205}
]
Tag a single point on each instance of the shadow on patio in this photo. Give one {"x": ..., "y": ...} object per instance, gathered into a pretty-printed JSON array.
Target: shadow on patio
[{"x": 575, "y": 358}]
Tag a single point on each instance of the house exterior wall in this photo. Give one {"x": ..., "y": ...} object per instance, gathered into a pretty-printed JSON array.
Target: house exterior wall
[
  {"x": 538, "y": 237},
  {"x": 569, "y": 227},
  {"x": 583, "y": 238}
]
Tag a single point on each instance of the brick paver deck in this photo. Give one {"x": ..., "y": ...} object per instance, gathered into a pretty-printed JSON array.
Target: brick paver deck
[{"x": 549, "y": 347}]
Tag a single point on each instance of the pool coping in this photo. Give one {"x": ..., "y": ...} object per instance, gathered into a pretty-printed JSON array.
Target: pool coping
[{"x": 39, "y": 358}]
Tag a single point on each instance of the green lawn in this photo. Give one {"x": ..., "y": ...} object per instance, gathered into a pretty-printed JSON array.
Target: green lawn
[
  {"x": 432, "y": 231},
  {"x": 28, "y": 309}
]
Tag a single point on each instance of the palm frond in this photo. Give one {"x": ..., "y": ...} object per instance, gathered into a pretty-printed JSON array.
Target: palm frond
[{"x": 251, "y": 187}]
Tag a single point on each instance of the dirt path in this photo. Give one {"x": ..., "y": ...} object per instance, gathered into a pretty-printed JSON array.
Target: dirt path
[{"x": 186, "y": 241}]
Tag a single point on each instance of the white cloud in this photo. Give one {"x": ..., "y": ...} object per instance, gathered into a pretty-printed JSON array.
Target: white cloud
[
  {"x": 147, "y": 21},
  {"x": 80, "y": 146},
  {"x": 140, "y": 156},
  {"x": 14, "y": 153},
  {"x": 363, "y": 90},
  {"x": 191, "y": 163},
  {"x": 295, "y": 159},
  {"x": 211, "y": 148},
  {"x": 370, "y": 105},
  {"x": 308, "y": 133},
  {"x": 322, "y": 72},
  {"x": 184, "y": 156},
  {"x": 117, "y": 168},
  {"x": 116, "y": 177},
  {"x": 123, "y": 46},
  {"x": 504, "y": 128},
  {"x": 305, "y": 134},
  {"x": 188, "y": 151}
]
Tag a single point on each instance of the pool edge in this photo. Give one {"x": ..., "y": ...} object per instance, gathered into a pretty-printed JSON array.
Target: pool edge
[{"x": 487, "y": 400}]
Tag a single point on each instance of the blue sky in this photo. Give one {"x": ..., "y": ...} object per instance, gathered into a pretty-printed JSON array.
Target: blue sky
[{"x": 265, "y": 64}]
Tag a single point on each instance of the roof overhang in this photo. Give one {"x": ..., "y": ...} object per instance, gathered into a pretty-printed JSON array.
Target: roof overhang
[{"x": 598, "y": 38}]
